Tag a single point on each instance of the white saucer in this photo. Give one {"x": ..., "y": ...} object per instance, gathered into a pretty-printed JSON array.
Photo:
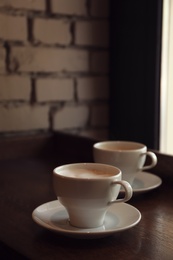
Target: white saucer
[
  {"x": 53, "y": 216},
  {"x": 145, "y": 181}
]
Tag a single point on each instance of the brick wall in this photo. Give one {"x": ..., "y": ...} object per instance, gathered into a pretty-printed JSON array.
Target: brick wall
[{"x": 54, "y": 70}]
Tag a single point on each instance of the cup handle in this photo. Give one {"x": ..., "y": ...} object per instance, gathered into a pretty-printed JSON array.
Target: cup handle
[
  {"x": 128, "y": 191},
  {"x": 153, "y": 159}
]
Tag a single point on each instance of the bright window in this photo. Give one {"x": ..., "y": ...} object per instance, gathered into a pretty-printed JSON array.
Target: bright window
[{"x": 166, "y": 120}]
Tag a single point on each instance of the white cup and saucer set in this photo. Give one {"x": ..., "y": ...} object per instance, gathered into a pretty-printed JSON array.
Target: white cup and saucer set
[
  {"x": 130, "y": 157},
  {"x": 88, "y": 203}
]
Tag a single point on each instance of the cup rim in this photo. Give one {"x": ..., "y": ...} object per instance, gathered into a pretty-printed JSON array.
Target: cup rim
[
  {"x": 138, "y": 145},
  {"x": 92, "y": 165}
]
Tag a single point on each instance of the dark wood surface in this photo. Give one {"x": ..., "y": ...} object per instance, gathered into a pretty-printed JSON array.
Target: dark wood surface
[{"x": 26, "y": 183}]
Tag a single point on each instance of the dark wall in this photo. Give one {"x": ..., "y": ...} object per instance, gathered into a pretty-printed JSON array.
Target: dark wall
[{"x": 135, "y": 45}]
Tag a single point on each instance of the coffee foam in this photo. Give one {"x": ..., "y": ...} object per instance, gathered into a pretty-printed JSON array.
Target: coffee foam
[
  {"x": 119, "y": 147},
  {"x": 84, "y": 173}
]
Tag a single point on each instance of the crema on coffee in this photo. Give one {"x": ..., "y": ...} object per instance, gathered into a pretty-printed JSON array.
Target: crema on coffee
[{"x": 84, "y": 173}]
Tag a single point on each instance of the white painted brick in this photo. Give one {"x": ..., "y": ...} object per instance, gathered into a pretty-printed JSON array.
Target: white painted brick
[
  {"x": 70, "y": 117},
  {"x": 93, "y": 88},
  {"x": 38, "y": 5},
  {"x": 100, "y": 61},
  {"x": 99, "y": 8},
  {"x": 13, "y": 27},
  {"x": 100, "y": 115},
  {"x": 15, "y": 88},
  {"x": 23, "y": 118},
  {"x": 92, "y": 33},
  {"x": 72, "y": 7},
  {"x": 2, "y": 59},
  {"x": 52, "y": 31},
  {"x": 54, "y": 90},
  {"x": 34, "y": 59}
]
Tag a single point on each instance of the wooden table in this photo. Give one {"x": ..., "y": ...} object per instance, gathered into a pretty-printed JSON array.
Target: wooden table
[{"x": 26, "y": 165}]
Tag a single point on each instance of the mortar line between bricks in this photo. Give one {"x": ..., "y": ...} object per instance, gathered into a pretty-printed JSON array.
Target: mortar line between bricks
[{"x": 7, "y": 58}]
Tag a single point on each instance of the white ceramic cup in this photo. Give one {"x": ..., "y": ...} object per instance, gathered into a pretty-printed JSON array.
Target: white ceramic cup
[
  {"x": 86, "y": 190},
  {"x": 129, "y": 157}
]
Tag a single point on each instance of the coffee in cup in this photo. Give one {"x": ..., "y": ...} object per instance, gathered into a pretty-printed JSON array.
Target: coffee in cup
[
  {"x": 86, "y": 190},
  {"x": 129, "y": 157}
]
